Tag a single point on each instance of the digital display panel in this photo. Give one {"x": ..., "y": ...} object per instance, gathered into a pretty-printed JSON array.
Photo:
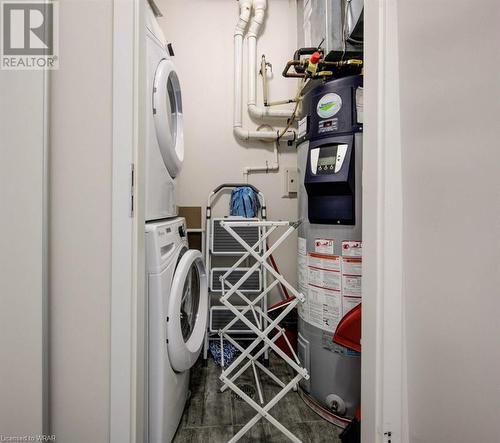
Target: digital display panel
[
  {"x": 325, "y": 163},
  {"x": 327, "y": 159}
]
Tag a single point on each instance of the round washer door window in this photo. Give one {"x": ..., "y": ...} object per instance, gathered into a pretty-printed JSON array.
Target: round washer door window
[
  {"x": 167, "y": 113},
  {"x": 188, "y": 311}
]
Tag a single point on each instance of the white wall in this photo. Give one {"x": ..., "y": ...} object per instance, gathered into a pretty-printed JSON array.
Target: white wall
[
  {"x": 450, "y": 106},
  {"x": 202, "y": 35},
  {"x": 81, "y": 136},
  {"x": 21, "y": 179}
]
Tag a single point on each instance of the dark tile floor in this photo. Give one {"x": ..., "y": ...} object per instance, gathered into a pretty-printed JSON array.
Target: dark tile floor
[{"x": 214, "y": 417}]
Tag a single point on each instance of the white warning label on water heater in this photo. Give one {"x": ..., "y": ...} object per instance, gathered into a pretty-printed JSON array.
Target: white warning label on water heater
[
  {"x": 352, "y": 248},
  {"x": 302, "y": 127},
  {"x": 352, "y": 266},
  {"x": 302, "y": 269},
  {"x": 349, "y": 303},
  {"x": 302, "y": 246},
  {"x": 324, "y": 246},
  {"x": 351, "y": 285},
  {"x": 302, "y": 278},
  {"x": 323, "y": 261},
  {"x": 330, "y": 283},
  {"x": 324, "y": 279},
  {"x": 325, "y": 308}
]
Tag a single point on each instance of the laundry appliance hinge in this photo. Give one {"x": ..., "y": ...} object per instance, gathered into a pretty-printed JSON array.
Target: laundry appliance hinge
[{"x": 132, "y": 190}]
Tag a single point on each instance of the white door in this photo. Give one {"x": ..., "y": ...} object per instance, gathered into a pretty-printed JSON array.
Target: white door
[
  {"x": 167, "y": 113},
  {"x": 23, "y": 263},
  {"x": 187, "y": 311}
]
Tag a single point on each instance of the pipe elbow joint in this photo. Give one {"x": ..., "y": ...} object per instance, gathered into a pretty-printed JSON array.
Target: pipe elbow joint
[
  {"x": 254, "y": 111},
  {"x": 245, "y": 13},
  {"x": 290, "y": 135},
  {"x": 240, "y": 133},
  {"x": 256, "y": 24},
  {"x": 239, "y": 31},
  {"x": 241, "y": 26},
  {"x": 259, "y": 7},
  {"x": 260, "y": 4}
]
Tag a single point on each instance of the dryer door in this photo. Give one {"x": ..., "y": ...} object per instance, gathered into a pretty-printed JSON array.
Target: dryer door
[
  {"x": 187, "y": 311},
  {"x": 167, "y": 113}
]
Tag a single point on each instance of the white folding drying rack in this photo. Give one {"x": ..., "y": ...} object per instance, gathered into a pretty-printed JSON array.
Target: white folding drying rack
[
  {"x": 263, "y": 326},
  {"x": 221, "y": 251}
]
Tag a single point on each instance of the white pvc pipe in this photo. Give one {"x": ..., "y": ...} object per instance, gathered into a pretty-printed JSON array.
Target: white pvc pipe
[
  {"x": 254, "y": 110},
  {"x": 268, "y": 167},
  {"x": 259, "y": 7},
  {"x": 245, "y": 11},
  {"x": 258, "y": 19},
  {"x": 244, "y": 134},
  {"x": 238, "y": 52}
]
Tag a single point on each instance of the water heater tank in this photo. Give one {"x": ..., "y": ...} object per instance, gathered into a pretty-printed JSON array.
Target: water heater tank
[{"x": 329, "y": 259}]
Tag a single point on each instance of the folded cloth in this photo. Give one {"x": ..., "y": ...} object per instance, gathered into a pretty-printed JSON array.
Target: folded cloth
[{"x": 244, "y": 202}]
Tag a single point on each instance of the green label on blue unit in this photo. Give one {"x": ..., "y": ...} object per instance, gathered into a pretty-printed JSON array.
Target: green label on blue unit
[{"x": 329, "y": 105}]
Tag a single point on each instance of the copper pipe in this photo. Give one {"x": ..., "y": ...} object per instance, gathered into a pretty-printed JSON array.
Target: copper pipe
[{"x": 326, "y": 67}]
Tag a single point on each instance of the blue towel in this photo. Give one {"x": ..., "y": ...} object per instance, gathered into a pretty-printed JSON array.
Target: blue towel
[
  {"x": 244, "y": 202},
  {"x": 228, "y": 349}
]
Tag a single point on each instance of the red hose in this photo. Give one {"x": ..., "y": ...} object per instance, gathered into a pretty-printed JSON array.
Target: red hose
[{"x": 275, "y": 267}]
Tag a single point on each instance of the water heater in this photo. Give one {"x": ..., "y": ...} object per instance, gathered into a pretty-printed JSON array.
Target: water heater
[{"x": 329, "y": 259}]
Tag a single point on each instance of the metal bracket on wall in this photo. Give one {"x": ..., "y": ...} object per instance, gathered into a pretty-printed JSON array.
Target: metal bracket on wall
[{"x": 132, "y": 190}]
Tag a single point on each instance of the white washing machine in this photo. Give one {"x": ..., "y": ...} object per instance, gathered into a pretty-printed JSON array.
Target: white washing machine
[
  {"x": 177, "y": 300},
  {"x": 164, "y": 124}
]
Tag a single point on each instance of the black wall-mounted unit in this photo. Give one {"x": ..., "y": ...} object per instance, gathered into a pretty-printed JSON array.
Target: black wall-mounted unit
[{"x": 329, "y": 122}]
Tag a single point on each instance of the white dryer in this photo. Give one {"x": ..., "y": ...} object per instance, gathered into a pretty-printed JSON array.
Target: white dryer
[
  {"x": 177, "y": 310},
  {"x": 164, "y": 125}
]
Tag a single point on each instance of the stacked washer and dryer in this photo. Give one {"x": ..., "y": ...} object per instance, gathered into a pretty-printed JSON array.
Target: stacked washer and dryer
[{"x": 176, "y": 278}]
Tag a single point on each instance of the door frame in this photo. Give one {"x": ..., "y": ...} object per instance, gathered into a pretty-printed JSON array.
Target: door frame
[
  {"x": 127, "y": 360},
  {"x": 382, "y": 368},
  {"x": 382, "y": 393}
]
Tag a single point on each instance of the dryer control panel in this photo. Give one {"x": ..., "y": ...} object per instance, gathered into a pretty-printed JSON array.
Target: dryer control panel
[{"x": 162, "y": 239}]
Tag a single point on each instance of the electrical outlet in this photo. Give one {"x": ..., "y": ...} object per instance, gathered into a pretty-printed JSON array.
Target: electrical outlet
[{"x": 290, "y": 182}]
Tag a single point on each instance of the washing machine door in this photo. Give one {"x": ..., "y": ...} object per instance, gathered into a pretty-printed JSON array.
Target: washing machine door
[
  {"x": 188, "y": 311},
  {"x": 167, "y": 114}
]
